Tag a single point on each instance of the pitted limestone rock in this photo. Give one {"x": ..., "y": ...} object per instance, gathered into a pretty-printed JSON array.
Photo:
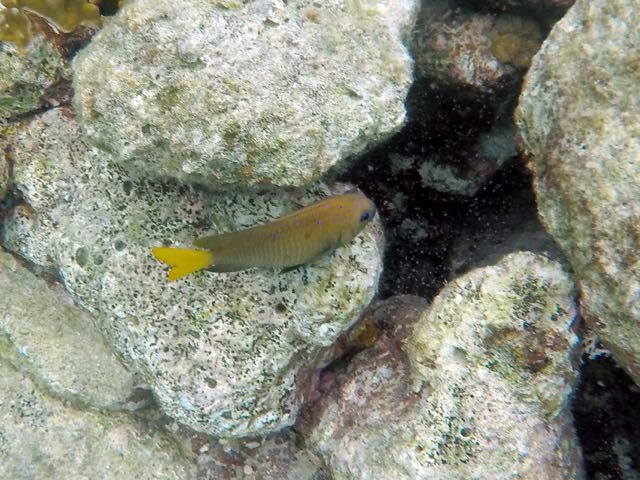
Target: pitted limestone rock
[{"x": 220, "y": 351}]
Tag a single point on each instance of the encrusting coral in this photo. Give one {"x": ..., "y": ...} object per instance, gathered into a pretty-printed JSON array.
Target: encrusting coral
[{"x": 66, "y": 15}]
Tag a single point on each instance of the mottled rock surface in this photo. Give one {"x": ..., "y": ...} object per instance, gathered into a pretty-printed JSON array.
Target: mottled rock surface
[
  {"x": 477, "y": 388},
  {"x": 244, "y": 93},
  {"x": 459, "y": 47},
  {"x": 25, "y": 77},
  {"x": 42, "y": 439},
  {"x": 225, "y": 354},
  {"x": 279, "y": 456},
  {"x": 43, "y": 334},
  {"x": 578, "y": 116}
]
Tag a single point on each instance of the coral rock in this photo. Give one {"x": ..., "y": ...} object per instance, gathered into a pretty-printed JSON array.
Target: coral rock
[
  {"x": 244, "y": 94},
  {"x": 24, "y": 77},
  {"x": 455, "y": 46},
  {"x": 578, "y": 116},
  {"x": 477, "y": 388},
  {"x": 67, "y": 15},
  {"x": 4, "y": 173}
]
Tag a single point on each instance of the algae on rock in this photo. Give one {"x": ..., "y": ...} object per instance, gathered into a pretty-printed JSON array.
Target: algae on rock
[
  {"x": 66, "y": 15},
  {"x": 515, "y": 40},
  {"x": 454, "y": 46},
  {"x": 15, "y": 27},
  {"x": 25, "y": 77},
  {"x": 262, "y": 93},
  {"x": 4, "y": 172}
]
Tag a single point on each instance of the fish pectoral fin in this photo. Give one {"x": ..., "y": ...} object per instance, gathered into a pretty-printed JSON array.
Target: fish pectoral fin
[
  {"x": 183, "y": 260},
  {"x": 328, "y": 249},
  {"x": 290, "y": 269},
  {"x": 332, "y": 246}
]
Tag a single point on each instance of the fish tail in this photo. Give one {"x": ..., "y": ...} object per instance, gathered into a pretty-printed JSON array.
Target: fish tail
[{"x": 183, "y": 260}]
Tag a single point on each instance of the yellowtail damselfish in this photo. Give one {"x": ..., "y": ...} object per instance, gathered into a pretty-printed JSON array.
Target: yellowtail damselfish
[{"x": 292, "y": 240}]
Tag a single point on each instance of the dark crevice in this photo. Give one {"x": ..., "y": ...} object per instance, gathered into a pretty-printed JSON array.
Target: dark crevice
[
  {"x": 22, "y": 116},
  {"x": 421, "y": 224},
  {"x": 108, "y": 8},
  {"x": 606, "y": 409}
]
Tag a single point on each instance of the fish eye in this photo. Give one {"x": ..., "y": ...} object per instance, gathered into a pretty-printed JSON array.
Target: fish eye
[{"x": 365, "y": 216}]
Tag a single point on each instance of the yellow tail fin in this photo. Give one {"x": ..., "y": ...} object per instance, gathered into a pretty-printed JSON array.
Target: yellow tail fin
[{"x": 183, "y": 260}]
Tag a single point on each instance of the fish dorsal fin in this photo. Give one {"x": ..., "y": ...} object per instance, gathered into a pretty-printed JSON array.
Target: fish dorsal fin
[
  {"x": 291, "y": 269},
  {"x": 304, "y": 211},
  {"x": 219, "y": 241}
]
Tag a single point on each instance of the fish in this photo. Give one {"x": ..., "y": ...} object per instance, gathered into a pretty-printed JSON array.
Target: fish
[{"x": 296, "y": 239}]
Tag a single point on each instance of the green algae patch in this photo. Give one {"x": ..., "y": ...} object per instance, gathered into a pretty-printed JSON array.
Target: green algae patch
[
  {"x": 230, "y": 4},
  {"x": 169, "y": 97},
  {"x": 24, "y": 77},
  {"x": 21, "y": 96},
  {"x": 5, "y": 160}
]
